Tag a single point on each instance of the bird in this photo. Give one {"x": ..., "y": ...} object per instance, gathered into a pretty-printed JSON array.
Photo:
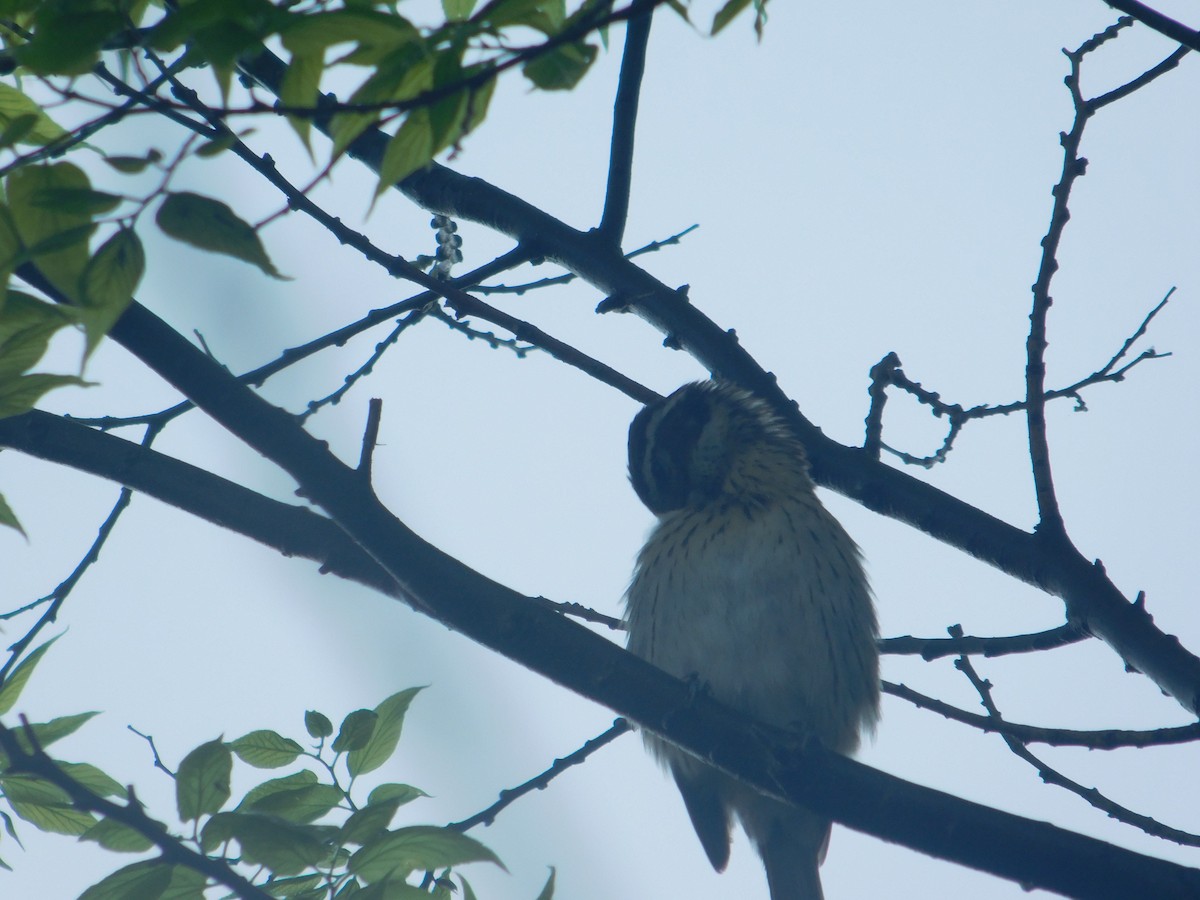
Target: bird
[{"x": 748, "y": 588}]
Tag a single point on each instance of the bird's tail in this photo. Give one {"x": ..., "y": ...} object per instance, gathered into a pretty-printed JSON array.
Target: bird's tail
[{"x": 792, "y": 844}]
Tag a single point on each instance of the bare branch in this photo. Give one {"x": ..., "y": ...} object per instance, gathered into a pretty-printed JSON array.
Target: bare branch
[
  {"x": 539, "y": 782},
  {"x": 620, "y": 157}
]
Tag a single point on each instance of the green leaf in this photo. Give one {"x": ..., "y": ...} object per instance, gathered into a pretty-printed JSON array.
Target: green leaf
[
  {"x": 283, "y": 847},
  {"x": 211, "y": 225},
  {"x": 21, "y": 394},
  {"x": 405, "y": 793},
  {"x": 84, "y": 201},
  {"x": 108, "y": 282},
  {"x": 409, "y": 149},
  {"x": 368, "y": 823},
  {"x": 355, "y": 731},
  {"x": 401, "y": 75},
  {"x": 56, "y": 729},
  {"x": 132, "y": 165},
  {"x": 301, "y": 805},
  {"x": 386, "y": 734},
  {"x": 727, "y": 14},
  {"x": 93, "y": 778},
  {"x": 303, "y": 778},
  {"x": 8, "y": 518},
  {"x": 19, "y": 677},
  {"x": 266, "y": 749},
  {"x": 202, "y": 782},
  {"x": 317, "y": 724},
  {"x": 112, "y": 835},
  {"x": 38, "y": 128},
  {"x": 140, "y": 881},
  {"x": 44, "y": 804},
  {"x": 417, "y": 847},
  {"x": 562, "y": 68},
  {"x": 26, "y": 326},
  {"x": 301, "y": 886},
  {"x": 56, "y": 236},
  {"x": 301, "y": 87},
  {"x": 375, "y": 33},
  {"x": 458, "y": 10},
  {"x": 67, "y": 37},
  {"x": 186, "y": 884},
  {"x": 547, "y": 16},
  {"x": 547, "y": 892}
]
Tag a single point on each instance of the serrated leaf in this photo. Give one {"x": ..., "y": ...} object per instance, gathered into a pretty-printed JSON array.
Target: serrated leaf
[
  {"x": 58, "y": 237},
  {"x": 113, "y": 835},
  {"x": 266, "y": 749},
  {"x": 303, "y": 778},
  {"x": 8, "y": 518},
  {"x": 10, "y": 691},
  {"x": 389, "y": 723},
  {"x": 562, "y": 68},
  {"x": 140, "y": 881},
  {"x": 202, "y": 782},
  {"x": 355, "y": 730},
  {"x": 317, "y": 724},
  {"x": 211, "y": 225},
  {"x": 16, "y": 106},
  {"x": 417, "y": 847}
]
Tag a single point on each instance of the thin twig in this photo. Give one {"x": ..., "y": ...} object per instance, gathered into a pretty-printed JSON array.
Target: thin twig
[
  {"x": 370, "y": 437},
  {"x": 1102, "y": 739},
  {"x": 958, "y": 643},
  {"x": 538, "y": 782},
  {"x": 1052, "y": 776}
]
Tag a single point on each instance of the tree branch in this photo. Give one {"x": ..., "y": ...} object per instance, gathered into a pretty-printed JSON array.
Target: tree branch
[
  {"x": 620, "y": 156},
  {"x": 524, "y": 630}
]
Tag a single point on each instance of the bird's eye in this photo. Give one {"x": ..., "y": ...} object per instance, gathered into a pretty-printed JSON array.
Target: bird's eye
[{"x": 662, "y": 440}]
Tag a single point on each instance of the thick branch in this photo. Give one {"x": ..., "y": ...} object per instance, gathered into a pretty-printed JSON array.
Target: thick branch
[
  {"x": 525, "y": 631},
  {"x": 620, "y": 156},
  {"x": 1152, "y": 18}
]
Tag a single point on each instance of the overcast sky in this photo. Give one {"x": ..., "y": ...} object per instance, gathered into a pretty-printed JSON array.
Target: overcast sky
[{"x": 871, "y": 177}]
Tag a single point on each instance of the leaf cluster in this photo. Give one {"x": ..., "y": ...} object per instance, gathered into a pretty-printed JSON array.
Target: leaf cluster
[{"x": 301, "y": 835}]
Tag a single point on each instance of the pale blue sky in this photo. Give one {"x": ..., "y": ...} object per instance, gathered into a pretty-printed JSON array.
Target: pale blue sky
[{"x": 872, "y": 177}]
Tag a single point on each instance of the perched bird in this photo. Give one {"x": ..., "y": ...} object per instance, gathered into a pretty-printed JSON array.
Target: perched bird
[{"x": 751, "y": 589}]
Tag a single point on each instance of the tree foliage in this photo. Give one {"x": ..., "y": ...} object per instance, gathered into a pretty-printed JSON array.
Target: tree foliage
[{"x": 394, "y": 93}]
